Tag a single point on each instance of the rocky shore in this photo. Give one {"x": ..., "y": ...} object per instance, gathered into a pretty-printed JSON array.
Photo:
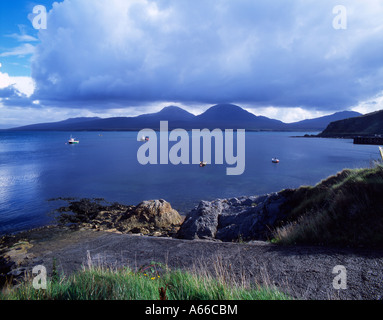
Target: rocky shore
[
  {"x": 154, "y": 217},
  {"x": 235, "y": 219},
  {"x": 234, "y": 231}
]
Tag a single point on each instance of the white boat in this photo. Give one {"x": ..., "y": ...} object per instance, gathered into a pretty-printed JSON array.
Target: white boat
[
  {"x": 73, "y": 141},
  {"x": 275, "y": 160},
  {"x": 381, "y": 152}
]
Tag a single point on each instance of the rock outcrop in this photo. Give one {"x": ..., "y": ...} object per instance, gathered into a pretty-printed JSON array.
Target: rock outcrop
[
  {"x": 243, "y": 218},
  {"x": 153, "y": 217}
]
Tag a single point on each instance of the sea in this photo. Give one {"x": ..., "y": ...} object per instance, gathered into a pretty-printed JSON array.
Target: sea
[{"x": 37, "y": 169}]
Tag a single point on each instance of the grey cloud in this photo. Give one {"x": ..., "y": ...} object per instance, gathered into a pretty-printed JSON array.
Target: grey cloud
[
  {"x": 8, "y": 92},
  {"x": 281, "y": 53},
  {"x": 10, "y": 96}
]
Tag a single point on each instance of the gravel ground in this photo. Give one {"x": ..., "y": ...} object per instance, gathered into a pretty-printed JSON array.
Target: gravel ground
[{"x": 303, "y": 272}]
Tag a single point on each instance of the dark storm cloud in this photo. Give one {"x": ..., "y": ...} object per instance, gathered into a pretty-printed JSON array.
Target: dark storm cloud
[{"x": 280, "y": 53}]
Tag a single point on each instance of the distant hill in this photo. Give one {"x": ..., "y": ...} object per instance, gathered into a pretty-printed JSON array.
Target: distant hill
[
  {"x": 365, "y": 125},
  {"x": 223, "y": 116},
  {"x": 319, "y": 124},
  {"x": 230, "y": 116},
  {"x": 170, "y": 113},
  {"x": 61, "y": 125}
]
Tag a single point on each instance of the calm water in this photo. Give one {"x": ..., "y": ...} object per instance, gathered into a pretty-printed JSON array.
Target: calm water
[{"x": 38, "y": 166}]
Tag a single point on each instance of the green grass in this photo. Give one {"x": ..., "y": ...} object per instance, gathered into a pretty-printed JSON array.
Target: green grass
[
  {"x": 125, "y": 284},
  {"x": 345, "y": 209}
]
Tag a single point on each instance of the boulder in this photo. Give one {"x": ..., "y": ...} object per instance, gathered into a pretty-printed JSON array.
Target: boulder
[
  {"x": 246, "y": 218},
  {"x": 202, "y": 221},
  {"x": 152, "y": 214}
]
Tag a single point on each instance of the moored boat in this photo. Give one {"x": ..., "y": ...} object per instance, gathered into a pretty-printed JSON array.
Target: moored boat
[{"x": 73, "y": 141}]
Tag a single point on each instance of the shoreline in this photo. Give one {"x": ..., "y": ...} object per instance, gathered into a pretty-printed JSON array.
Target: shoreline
[
  {"x": 120, "y": 235},
  {"x": 304, "y": 272}
]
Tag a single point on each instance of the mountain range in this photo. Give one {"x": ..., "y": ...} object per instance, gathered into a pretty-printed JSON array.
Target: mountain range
[{"x": 223, "y": 116}]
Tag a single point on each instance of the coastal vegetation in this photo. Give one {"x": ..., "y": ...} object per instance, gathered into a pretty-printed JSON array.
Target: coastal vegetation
[{"x": 345, "y": 209}]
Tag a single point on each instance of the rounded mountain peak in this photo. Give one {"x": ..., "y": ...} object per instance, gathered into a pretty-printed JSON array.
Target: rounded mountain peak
[{"x": 227, "y": 111}]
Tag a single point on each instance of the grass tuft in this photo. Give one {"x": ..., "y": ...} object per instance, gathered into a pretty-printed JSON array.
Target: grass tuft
[{"x": 98, "y": 283}]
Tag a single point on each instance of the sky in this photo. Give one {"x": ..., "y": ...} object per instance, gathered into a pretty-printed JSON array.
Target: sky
[{"x": 285, "y": 59}]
